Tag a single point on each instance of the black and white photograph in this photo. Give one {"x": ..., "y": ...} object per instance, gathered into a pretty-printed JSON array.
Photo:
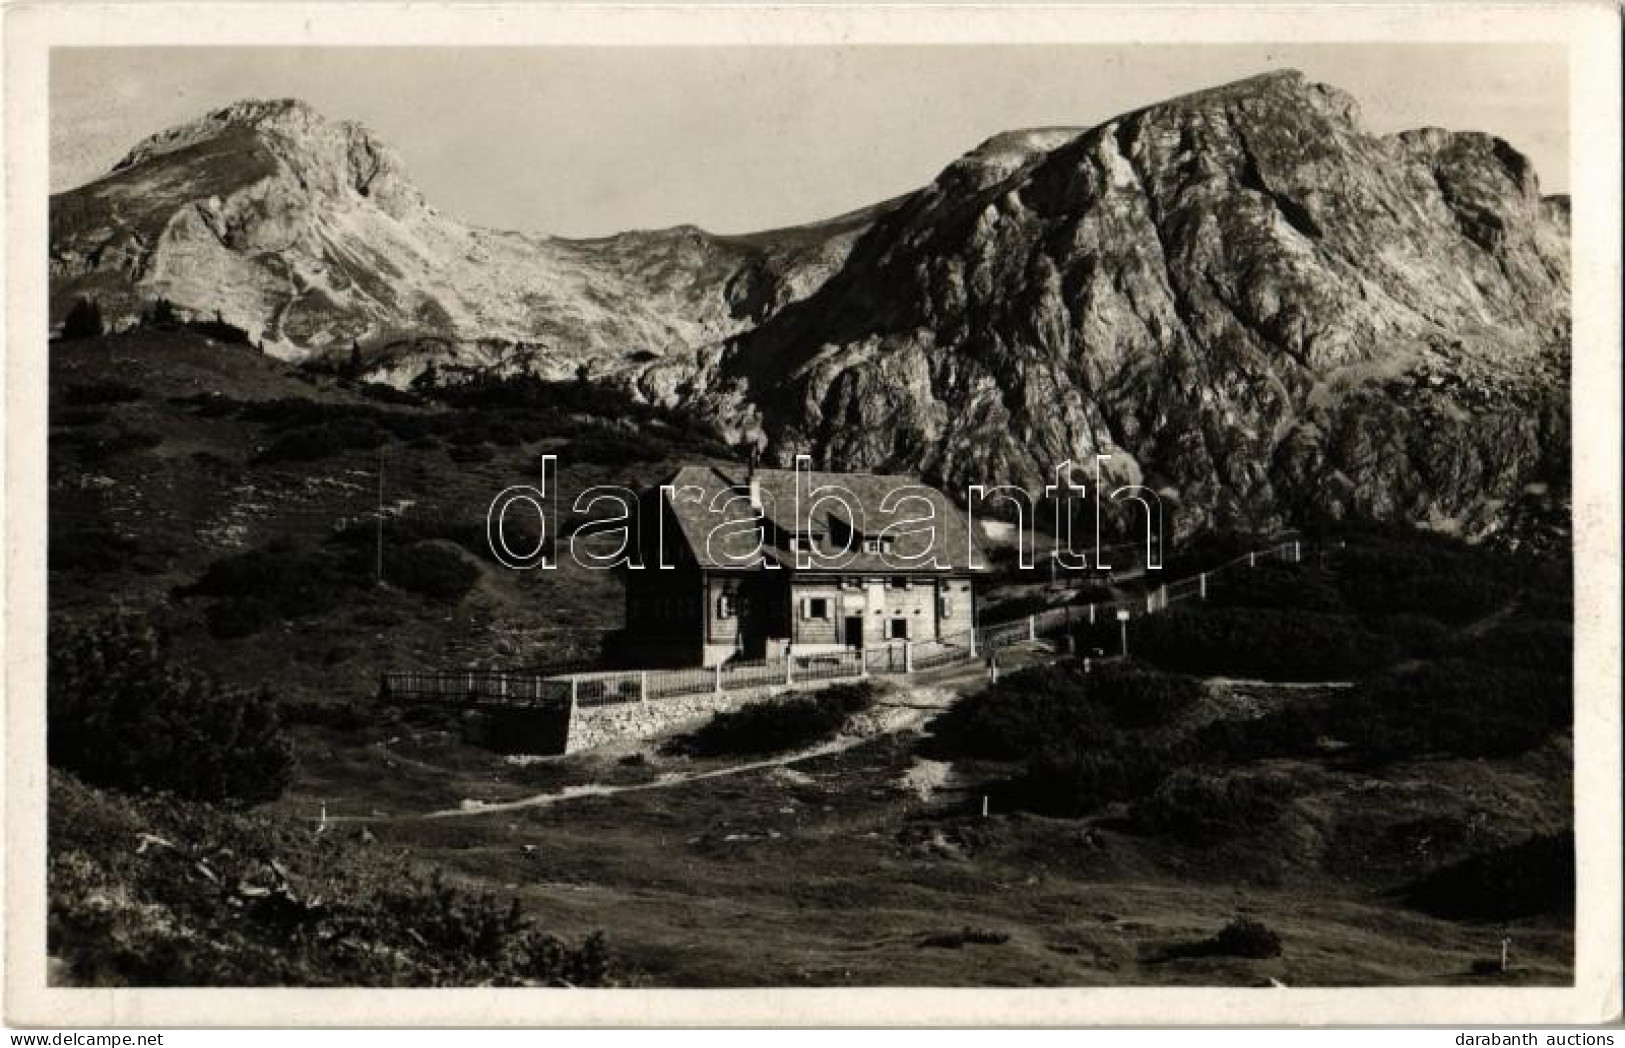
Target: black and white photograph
[{"x": 818, "y": 515}]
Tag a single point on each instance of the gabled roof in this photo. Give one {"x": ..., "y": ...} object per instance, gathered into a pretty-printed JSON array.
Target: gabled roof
[{"x": 724, "y": 499}]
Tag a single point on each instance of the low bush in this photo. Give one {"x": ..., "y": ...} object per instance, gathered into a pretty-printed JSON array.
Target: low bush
[
  {"x": 101, "y": 444},
  {"x": 1069, "y": 778},
  {"x": 1011, "y": 719},
  {"x": 1262, "y": 642},
  {"x": 1418, "y": 636},
  {"x": 1205, "y": 806},
  {"x": 958, "y": 940},
  {"x": 100, "y": 392},
  {"x": 228, "y": 899},
  {"x": 1533, "y": 877},
  {"x": 236, "y": 617},
  {"x": 124, "y": 712},
  {"x": 1459, "y": 708},
  {"x": 1041, "y": 705},
  {"x": 90, "y": 548},
  {"x": 430, "y": 569},
  {"x": 1242, "y": 937},
  {"x": 470, "y": 454},
  {"x": 292, "y": 580},
  {"x": 773, "y": 726},
  {"x": 1536, "y": 644},
  {"x": 314, "y": 443},
  {"x": 1273, "y": 584},
  {"x": 1385, "y": 573},
  {"x": 1450, "y": 708},
  {"x": 221, "y": 331}
]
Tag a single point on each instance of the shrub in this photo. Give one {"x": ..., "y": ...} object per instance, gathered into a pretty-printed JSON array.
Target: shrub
[
  {"x": 967, "y": 936},
  {"x": 1537, "y": 644},
  {"x": 1061, "y": 702},
  {"x": 89, "y": 548},
  {"x": 431, "y": 569},
  {"x": 1207, "y": 806},
  {"x": 120, "y": 440},
  {"x": 1242, "y": 937},
  {"x": 1261, "y": 642},
  {"x": 84, "y": 320},
  {"x": 290, "y": 579},
  {"x": 124, "y": 712},
  {"x": 1418, "y": 636},
  {"x": 1533, "y": 877},
  {"x": 217, "y": 898},
  {"x": 100, "y": 392},
  {"x": 773, "y": 726},
  {"x": 1272, "y": 584},
  {"x": 1137, "y": 696},
  {"x": 1071, "y": 778},
  {"x": 232, "y": 618},
  {"x": 471, "y": 454},
  {"x": 221, "y": 331},
  {"x": 314, "y": 443},
  {"x": 1025, "y": 710},
  {"x": 1430, "y": 575},
  {"x": 1453, "y": 707}
]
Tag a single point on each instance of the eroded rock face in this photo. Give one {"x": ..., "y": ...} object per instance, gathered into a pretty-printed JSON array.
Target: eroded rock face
[
  {"x": 1240, "y": 295},
  {"x": 307, "y": 234},
  {"x": 1244, "y": 298}
]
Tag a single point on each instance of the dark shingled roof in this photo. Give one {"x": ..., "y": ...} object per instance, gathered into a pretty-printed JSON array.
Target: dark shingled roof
[{"x": 733, "y": 546}]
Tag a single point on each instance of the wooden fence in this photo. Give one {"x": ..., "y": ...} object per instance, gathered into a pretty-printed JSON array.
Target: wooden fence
[{"x": 497, "y": 689}]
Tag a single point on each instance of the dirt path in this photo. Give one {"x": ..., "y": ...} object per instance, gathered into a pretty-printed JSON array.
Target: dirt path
[{"x": 903, "y": 710}]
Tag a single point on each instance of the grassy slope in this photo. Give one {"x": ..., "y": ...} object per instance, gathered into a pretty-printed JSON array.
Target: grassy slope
[
  {"x": 834, "y": 870},
  {"x": 145, "y": 521},
  {"x": 837, "y": 870}
]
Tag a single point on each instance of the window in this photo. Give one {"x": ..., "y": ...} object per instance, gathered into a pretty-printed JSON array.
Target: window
[
  {"x": 946, "y": 609},
  {"x": 815, "y": 607},
  {"x": 897, "y": 629},
  {"x": 898, "y": 582},
  {"x": 725, "y": 607}
]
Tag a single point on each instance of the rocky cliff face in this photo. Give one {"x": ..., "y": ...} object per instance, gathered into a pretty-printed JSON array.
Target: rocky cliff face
[
  {"x": 1242, "y": 296},
  {"x": 307, "y": 234}
]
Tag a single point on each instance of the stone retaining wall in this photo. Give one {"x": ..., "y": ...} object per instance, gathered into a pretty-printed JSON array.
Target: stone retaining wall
[{"x": 596, "y": 725}]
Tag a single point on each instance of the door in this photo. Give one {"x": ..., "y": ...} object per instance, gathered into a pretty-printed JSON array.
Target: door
[{"x": 852, "y": 631}]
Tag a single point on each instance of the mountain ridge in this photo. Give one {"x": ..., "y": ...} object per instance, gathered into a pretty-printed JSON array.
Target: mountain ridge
[{"x": 1239, "y": 294}]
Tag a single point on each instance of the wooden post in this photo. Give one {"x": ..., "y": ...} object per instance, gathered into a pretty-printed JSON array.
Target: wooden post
[
  {"x": 719, "y": 678},
  {"x": 973, "y": 641},
  {"x": 1151, "y": 602},
  {"x": 1032, "y": 627},
  {"x": 1297, "y": 552},
  {"x": 643, "y": 685},
  {"x": 908, "y": 656},
  {"x": 1091, "y": 614},
  {"x": 789, "y": 669},
  {"x": 1252, "y": 558},
  {"x": 575, "y": 688},
  {"x": 1201, "y": 585}
]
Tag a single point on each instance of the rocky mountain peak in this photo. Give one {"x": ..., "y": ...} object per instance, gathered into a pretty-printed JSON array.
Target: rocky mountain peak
[
  {"x": 1240, "y": 294},
  {"x": 332, "y": 157}
]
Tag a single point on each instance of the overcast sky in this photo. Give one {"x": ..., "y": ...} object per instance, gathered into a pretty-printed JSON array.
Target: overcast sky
[{"x": 589, "y": 141}]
